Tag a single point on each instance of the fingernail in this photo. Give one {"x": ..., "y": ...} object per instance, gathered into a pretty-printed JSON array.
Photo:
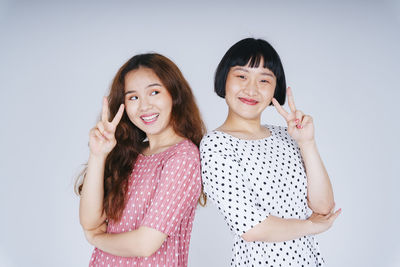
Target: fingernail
[
  {"x": 296, "y": 121},
  {"x": 301, "y": 126}
]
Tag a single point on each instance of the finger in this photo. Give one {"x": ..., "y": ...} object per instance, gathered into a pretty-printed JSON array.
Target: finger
[
  {"x": 108, "y": 132},
  {"x": 332, "y": 211},
  {"x": 306, "y": 120},
  {"x": 335, "y": 215},
  {"x": 299, "y": 118},
  {"x": 100, "y": 127},
  {"x": 290, "y": 99},
  {"x": 280, "y": 109},
  {"x": 118, "y": 116},
  {"x": 99, "y": 135},
  {"x": 92, "y": 134},
  {"x": 105, "y": 111},
  {"x": 292, "y": 124}
]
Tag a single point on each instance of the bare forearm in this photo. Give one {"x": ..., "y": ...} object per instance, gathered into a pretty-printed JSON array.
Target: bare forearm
[
  {"x": 320, "y": 193},
  {"x": 142, "y": 242},
  {"x": 275, "y": 229},
  {"x": 91, "y": 210},
  {"x": 123, "y": 244}
]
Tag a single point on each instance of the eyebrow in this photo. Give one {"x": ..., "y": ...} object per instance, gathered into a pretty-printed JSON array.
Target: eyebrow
[
  {"x": 245, "y": 70},
  {"x": 148, "y": 86}
]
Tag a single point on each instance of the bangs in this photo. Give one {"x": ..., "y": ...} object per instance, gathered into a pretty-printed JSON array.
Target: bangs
[
  {"x": 250, "y": 52},
  {"x": 252, "y": 55}
]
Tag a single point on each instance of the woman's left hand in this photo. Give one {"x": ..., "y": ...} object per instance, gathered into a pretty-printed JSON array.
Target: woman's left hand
[
  {"x": 300, "y": 126},
  {"x": 91, "y": 234}
]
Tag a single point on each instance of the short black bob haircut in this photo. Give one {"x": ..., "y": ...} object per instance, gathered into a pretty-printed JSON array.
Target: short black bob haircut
[{"x": 249, "y": 52}]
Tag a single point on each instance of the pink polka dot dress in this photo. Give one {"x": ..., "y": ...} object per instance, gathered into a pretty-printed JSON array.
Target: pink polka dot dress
[{"x": 162, "y": 194}]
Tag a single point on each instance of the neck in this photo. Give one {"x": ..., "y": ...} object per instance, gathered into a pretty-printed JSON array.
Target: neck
[
  {"x": 244, "y": 128},
  {"x": 165, "y": 139},
  {"x": 236, "y": 123}
]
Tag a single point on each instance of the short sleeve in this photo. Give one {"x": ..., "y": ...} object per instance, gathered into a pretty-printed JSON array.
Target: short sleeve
[
  {"x": 177, "y": 192},
  {"x": 224, "y": 185}
]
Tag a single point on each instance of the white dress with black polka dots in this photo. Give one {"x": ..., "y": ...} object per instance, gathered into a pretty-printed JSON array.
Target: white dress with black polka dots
[{"x": 250, "y": 179}]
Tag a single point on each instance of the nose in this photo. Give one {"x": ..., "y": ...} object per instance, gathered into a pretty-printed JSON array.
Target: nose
[
  {"x": 251, "y": 88},
  {"x": 145, "y": 104}
]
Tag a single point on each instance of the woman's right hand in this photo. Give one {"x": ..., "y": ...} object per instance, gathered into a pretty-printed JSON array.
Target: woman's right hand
[
  {"x": 102, "y": 136},
  {"x": 320, "y": 223}
]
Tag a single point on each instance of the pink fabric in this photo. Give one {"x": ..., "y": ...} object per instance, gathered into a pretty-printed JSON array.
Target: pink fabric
[{"x": 163, "y": 192}]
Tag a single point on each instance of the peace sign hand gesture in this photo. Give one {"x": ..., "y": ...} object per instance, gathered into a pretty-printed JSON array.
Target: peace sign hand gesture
[
  {"x": 300, "y": 126},
  {"x": 102, "y": 136}
]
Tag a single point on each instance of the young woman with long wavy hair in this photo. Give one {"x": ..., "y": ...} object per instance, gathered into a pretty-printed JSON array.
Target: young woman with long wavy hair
[{"x": 142, "y": 182}]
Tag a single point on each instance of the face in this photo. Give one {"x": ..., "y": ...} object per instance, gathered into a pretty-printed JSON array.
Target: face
[
  {"x": 148, "y": 103},
  {"x": 249, "y": 91}
]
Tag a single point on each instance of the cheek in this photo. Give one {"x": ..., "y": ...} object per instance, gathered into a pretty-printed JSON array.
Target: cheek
[
  {"x": 131, "y": 110},
  {"x": 269, "y": 90},
  {"x": 166, "y": 104},
  {"x": 273, "y": 87},
  {"x": 231, "y": 89},
  {"x": 228, "y": 96}
]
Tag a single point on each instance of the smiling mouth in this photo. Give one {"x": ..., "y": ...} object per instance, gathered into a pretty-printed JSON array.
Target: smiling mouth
[
  {"x": 149, "y": 119},
  {"x": 248, "y": 101}
]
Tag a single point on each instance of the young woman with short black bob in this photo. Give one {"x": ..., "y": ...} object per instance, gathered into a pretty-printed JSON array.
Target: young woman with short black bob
[{"x": 268, "y": 181}]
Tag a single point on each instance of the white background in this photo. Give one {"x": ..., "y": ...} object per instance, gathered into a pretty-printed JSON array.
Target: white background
[{"x": 57, "y": 60}]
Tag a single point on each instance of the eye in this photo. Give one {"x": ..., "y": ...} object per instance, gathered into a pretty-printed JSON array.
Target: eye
[
  {"x": 155, "y": 92},
  {"x": 242, "y": 77},
  {"x": 264, "y": 81},
  {"x": 133, "y": 98}
]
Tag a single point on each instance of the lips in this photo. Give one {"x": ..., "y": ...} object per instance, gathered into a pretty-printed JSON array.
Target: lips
[
  {"x": 248, "y": 101},
  {"x": 149, "y": 118}
]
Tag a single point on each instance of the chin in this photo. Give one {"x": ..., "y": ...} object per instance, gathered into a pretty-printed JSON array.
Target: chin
[
  {"x": 149, "y": 129},
  {"x": 155, "y": 130},
  {"x": 248, "y": 115},
  {"x": 152, "y": 131}
]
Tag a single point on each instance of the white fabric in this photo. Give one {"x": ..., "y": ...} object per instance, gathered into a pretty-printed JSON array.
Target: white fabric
[{"x": 248, "y": 180}]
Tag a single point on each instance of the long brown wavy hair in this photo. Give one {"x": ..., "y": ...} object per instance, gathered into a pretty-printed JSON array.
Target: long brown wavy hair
[{"x": 185, "y": 120}]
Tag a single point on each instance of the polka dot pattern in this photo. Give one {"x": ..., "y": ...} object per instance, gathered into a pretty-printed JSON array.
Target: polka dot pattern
[
  {"x": 162, "y": 194},
  {"x": 248, "y": 180}
]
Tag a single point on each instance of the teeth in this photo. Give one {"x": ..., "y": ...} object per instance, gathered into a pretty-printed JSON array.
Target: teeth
[{"x": 149, "y": 118}]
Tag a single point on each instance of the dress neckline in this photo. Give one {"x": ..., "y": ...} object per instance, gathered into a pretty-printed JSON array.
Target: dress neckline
[
  {"x": 164, "y": 151},
  {"x": 250, "y": 140}
]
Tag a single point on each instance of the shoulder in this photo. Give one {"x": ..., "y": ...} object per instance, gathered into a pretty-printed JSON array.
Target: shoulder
[
  {"x": 210, "y": 138},
  {"x": 280, "y": 132},
  {"x": 219, "y": 147},
  {"x": 186, "y": 150},
  {"x": 281, "y": 135},
  {"x": 276, "y": 129},
  {"x": 216, "y": 142}
]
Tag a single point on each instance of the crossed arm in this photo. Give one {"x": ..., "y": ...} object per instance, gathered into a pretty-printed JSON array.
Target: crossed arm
[
  {"x": 275, "y": 229},
  {"x": 320, "y": 201},
  {"x": 319, "y": 188},
  {"x": 142, "y": 242},
  {"x": 319, "y": 194}
]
